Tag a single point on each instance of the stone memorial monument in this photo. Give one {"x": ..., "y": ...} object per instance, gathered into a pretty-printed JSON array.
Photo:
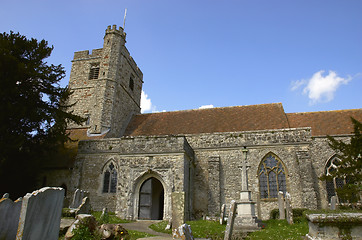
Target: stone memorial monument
[{"x": 246, "y": 219}]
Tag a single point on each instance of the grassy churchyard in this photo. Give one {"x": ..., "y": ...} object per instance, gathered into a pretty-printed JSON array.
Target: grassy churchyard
[{"x": 272, "y": 229}]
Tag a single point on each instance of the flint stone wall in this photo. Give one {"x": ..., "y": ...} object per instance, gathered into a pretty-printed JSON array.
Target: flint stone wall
[{"x": 168, "y": 159}]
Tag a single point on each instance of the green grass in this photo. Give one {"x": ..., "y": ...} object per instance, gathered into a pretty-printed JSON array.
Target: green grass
[
  {"x": 160, "y": 227},
  {"x": 207, "y": 229},
  {"x": 200, "y": 229},
  {"x": 136, "y": 234},
  {"x": 112, "y": 218},
  {"x": 280, "y": 229}
]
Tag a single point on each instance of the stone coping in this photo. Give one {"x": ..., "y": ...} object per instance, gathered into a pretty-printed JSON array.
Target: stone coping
[{"x": 335, "y": 218}]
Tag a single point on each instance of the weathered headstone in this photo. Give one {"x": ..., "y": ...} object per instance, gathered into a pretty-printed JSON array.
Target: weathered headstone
[
  {"x": 222, "y": 214},
  {"x": 6, "y": 195},
  {"x": 9, "y": 218},
  {"x": 85, "y": 207},
  {"x": 183, "y": 232},
  {"x": 288, "y": 205},
  {"x": 281, "y": 205},
  {"x": 40, "y": 214},
  {"x": 230, "y": 223},
  {"x": 78, "y": 198},
  {"x": 333, "y": 202}
]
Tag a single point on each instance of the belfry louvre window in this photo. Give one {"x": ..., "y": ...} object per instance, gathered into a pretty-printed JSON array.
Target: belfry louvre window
[
  {"x": 93, "y": 72},
  {"x": 110, "y": 179},
  {"x": 271, "y": 177},
  {"x": 333, "y": 184}
]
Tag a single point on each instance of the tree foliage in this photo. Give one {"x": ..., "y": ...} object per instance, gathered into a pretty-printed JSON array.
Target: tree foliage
[
  {"x": 33, "y": 117},
  {"x": 350, "y": 166}
]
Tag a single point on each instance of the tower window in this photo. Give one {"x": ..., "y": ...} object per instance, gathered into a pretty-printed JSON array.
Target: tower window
[
  {"x": 93, "y": 72},
  {"x": 131, "y": 83},
  {"x": 335, "y": 183}
]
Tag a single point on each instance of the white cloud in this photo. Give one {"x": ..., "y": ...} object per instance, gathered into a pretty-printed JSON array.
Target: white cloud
[
  {"x": 297, "y": 84},
  {"x": 206, "y": 106},
  {"x": 146, "y": 104},
  {"x": 321, "y": 88}
]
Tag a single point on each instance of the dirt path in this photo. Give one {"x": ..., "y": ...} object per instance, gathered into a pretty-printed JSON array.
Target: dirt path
[{"x": 143, "y": 226}]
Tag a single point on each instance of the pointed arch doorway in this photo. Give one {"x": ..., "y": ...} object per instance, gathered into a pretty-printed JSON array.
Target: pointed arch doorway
[{"x": 151, "y": 200}]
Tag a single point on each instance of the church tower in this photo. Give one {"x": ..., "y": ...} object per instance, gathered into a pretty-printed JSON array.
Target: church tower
[{"x": 106, "y": 86}]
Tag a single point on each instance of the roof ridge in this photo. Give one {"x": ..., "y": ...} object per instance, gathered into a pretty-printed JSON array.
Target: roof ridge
[
  {"x": 341, "y": 110},
  {"x": 202, "y": 109}
]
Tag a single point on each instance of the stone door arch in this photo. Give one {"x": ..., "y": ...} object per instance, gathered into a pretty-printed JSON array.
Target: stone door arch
[{"x": 151, "y": 199}]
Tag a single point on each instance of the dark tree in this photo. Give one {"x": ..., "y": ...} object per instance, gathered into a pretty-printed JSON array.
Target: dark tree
[
  {"x": 349, "y": 167},
  {"x": 33, "y": 116}
]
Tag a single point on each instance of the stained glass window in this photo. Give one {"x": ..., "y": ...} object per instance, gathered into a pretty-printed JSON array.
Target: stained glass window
[
  {"x": 271, "y": 177},
  {"x": 110, "y": 179}
]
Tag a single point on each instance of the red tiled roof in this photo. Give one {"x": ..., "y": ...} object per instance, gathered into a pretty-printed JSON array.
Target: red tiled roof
[
  {"x": 226, "y": 119},
  {"x": 326, "y": 123},
  {"x": 241, "y": 118}
]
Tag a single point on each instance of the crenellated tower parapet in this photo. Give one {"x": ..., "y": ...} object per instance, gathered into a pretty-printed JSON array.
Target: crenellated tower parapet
[{"x": 106, "y": 85}]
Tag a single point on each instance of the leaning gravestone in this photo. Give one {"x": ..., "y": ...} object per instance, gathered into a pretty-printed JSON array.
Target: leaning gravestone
[
  {"x": 84, "y": 208},
  {"x": 281, "y": 205},
  {"x": 230, "y": 223},
  {"x": 333, "y": 202},
  {"x": 9, "y": 217},
  {"x": 78, "y": 197},
  {"x": 40, "y": 214},
  {"x": 222, "y": 214},
  {"x": 289, "y": 208}
]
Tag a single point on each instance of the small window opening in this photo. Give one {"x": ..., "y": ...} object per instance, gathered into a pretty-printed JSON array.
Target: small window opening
[
  {"x": 93, "y": 72},
  {"x": 131, "y": 83},
  {"x": 110, "y": 179}
]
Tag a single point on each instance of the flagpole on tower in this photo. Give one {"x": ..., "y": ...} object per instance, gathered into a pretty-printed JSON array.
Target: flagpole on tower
[{"x": 124, "y": 20}]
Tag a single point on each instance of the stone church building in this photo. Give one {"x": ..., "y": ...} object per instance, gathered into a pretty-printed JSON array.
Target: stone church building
[{"x": 149, "y": 166}]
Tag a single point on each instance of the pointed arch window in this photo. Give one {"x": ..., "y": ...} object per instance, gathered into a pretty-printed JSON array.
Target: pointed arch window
[
  {"x": 110, "y": 179},
  {"x": 333, "y": 184},
  {"x": 271, "y": 177}
]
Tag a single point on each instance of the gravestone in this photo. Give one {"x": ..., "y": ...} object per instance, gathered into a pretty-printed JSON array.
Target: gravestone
[
  {"x": 222, "y": 214},
  {"x": 78, "y": 198},
  {"x": 104, "y": 216},
  {"x": 84, "y": 208},
  {"x": 40, "y": 214},
  {"x": 288, "y": 205},
  {"x": 9, "y": 218},
  {"x": 183, "y": 232},
  {"x": 333, "y": 202},
  {"x": 230, "y": 222},
  {"x": 281, "y": 205}
]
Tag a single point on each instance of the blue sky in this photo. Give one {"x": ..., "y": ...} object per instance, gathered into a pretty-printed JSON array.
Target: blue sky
[{"x": 305, "y": 54}]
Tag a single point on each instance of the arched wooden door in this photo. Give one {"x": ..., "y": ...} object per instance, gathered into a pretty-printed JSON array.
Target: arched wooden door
[{"x": 151, "y": 199}]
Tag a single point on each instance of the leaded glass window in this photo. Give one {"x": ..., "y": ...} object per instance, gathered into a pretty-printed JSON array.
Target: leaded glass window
[
  {"x": 333, "y": 184},
  {"x": 271, "y": 177},
  {"x": 110, "y": 179}
]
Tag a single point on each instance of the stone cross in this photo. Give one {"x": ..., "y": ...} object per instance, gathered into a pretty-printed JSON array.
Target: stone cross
[
  {"x": 281, "y": 205},
  {"x": 244, "y": 167},
  {"x": 230, "y": 223}
]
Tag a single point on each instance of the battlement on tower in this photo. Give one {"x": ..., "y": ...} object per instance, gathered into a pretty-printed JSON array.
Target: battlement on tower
[
  {"x": 114, "y": 29},
  {"x": 80, "y": 55}
]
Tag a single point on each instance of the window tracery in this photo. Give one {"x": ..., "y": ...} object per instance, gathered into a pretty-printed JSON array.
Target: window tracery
[
  {"x": 110, "y": 179},
  {"x": 271, "y": 177},
  {"x": 333, "y": 184}
]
